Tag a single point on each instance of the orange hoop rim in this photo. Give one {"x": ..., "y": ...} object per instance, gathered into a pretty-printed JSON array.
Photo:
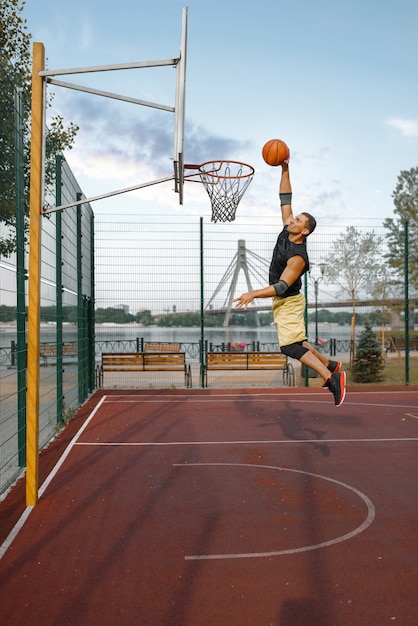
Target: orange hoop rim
[
  {"x": 214, "y": 173},
  {"x": 218, "y": 165}
]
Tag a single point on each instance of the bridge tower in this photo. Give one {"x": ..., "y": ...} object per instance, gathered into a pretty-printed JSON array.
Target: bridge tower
[{"x": 248, "y": 262}]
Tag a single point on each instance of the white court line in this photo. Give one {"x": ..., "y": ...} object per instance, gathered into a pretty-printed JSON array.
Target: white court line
[
  {"x": 191, "y": 398},
  {"x": 239, "y": 442},
  {"x": 15, "y": 531},
  {"x": 371, "y": 512},
  {"x": 21, "y": 521},
  {"x": 240, "y": 398},
  {"x": 248, "y": 392},
  {"x": 69, "y": 448}
]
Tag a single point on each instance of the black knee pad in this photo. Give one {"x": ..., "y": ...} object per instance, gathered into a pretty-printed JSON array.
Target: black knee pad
[{"x": 294, "y": 350}]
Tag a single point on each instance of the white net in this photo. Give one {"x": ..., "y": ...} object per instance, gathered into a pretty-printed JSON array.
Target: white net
[{"x": 226, "y": 183}]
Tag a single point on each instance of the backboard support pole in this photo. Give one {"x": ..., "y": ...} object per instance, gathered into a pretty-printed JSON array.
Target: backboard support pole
[{"x": 35, "y": 230}]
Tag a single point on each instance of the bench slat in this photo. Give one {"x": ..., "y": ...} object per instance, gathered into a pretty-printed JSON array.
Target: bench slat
[
  {"x": 267, "y": 361},
  {"x": 227, "y": 360},
  {"x": 155, "y": 360},
  {"x": 161, "y": 346},
  {"x": 159, "y": 361}
]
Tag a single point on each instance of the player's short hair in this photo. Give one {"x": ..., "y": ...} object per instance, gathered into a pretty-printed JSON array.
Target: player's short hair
[{"x": 310, "y": 221}]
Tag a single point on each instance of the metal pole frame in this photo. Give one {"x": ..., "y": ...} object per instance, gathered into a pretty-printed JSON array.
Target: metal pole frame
[
  {"x": 35, "y": 214},
  {"x": 179, "y": 63}
]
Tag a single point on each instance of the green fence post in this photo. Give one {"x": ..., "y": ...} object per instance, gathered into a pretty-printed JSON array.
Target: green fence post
[
  {"x": 81, "y": 348},
  {"x": 91, "y": 330},
  {"x": 406, "y": 267},
  {"x": 59, "y": 291},
  {"x": 202, "y": 310},
  {"x": 305, "y": 287},
  {"x": 20, "y": 277}
]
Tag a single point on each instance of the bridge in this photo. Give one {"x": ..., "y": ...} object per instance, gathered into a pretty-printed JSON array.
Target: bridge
[
  {"x": 255, "y": 266},
  {"x": 334, "y": 304}
]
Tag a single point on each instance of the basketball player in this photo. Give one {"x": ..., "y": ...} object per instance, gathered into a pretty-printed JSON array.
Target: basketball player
[{"x": 289, "y": 262}]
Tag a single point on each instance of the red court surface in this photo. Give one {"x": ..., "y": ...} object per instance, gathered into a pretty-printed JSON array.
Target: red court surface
[{"x": 221, "y": 508}]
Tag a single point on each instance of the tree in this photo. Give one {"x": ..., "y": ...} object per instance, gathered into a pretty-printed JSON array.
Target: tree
[
  {"x": 144, "y": 317},
  {"x": 405, "y": 199},
  {"x": 113, "y": 315},
  {"x": 353, "y": 265},
  {"x": 15, "y": 72},
  {"x": 368, "y": 364}
]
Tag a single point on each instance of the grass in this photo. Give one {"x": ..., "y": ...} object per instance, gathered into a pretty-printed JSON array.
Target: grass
[{"x": 393, "y": 372}]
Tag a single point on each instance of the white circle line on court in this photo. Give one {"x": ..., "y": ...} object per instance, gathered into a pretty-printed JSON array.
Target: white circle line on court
[{"x": 371, "y": 512}]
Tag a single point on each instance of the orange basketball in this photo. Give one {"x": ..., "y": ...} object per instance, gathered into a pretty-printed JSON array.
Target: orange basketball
[{"x": 275, "y": 152}]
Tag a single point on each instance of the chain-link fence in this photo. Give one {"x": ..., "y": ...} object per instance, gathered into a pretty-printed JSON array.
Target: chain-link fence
[
  {"x": 67, "y": 297},
  {"x": 173, "y": 281},
  {"x": 167, "y": 284}
]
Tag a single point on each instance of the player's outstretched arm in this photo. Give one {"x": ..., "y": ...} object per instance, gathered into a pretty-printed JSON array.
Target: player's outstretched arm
[
  {"x": 285, "y": 190},
  {"x": 246, "y": 298},
  {"x": 290, "y": 274}
]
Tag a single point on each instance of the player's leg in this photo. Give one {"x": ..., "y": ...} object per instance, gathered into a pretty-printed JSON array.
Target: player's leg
[
  {"x": 332, "y": 366},
  {"x": 288, "y": 315},
  {"x": 334, "y": 381},
  {"x": 289, "y": 318},
  {"x": 312, "y": 360}
]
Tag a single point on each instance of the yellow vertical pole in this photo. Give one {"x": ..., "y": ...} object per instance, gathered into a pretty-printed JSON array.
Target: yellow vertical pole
[{"x": 35, "y": 212}]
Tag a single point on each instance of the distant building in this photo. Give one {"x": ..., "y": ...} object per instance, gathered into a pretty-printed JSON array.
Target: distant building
[{"x": 123, "y": 307}]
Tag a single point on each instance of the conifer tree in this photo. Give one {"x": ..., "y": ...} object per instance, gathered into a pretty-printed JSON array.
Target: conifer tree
[{"x": 367, "y": 365}]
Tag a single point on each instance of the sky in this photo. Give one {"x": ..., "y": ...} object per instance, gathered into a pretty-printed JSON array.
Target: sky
[{"x": 336, "y": 80}]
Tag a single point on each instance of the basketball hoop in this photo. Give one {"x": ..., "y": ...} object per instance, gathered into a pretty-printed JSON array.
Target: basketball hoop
[{"x": 225, "y": 183}]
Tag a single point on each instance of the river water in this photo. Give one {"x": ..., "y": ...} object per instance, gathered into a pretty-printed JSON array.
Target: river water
[
  {"x": 190, "y": 335},
  {"x": 111, "y": 332}
]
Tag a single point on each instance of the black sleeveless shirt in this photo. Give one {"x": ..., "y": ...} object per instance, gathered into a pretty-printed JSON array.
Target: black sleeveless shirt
[{"x": 283, "y": 251}]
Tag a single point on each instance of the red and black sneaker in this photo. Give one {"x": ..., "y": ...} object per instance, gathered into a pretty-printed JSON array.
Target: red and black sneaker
[
  {"x": 334, "y": 366},
  {"x": 336, "y": 384}
]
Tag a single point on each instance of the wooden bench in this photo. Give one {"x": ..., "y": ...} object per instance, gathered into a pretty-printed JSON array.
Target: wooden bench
[
  {"x": 401, "y": 344},
  {"x": 250, "y": 361},
  {"x": 143, "y": 362},
  {"x": 49, "y": 350}
]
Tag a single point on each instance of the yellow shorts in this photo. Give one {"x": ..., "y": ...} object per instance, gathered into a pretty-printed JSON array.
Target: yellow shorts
[{"x": 288, "y": 314}]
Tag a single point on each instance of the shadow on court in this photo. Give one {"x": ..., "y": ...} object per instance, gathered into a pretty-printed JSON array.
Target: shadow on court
[{"x": 220, "y": 508}]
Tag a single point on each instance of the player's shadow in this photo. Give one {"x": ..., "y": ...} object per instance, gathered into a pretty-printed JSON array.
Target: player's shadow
[
  {"x": 293, "y": 425},
  {"x": 303, "y": 612}
]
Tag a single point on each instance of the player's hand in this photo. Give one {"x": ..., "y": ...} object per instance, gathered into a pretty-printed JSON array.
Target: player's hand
[{"x": 244, "y": 300}]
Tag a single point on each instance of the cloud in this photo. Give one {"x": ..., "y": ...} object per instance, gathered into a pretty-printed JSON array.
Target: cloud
[
  {"x": 85, "y": 35},
  {"x": 408, "y": 128},
  {"x": 113, "y": 140}
]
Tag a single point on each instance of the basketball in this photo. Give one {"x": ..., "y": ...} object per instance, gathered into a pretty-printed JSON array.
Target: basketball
[{"x": 275, "y": 152}]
